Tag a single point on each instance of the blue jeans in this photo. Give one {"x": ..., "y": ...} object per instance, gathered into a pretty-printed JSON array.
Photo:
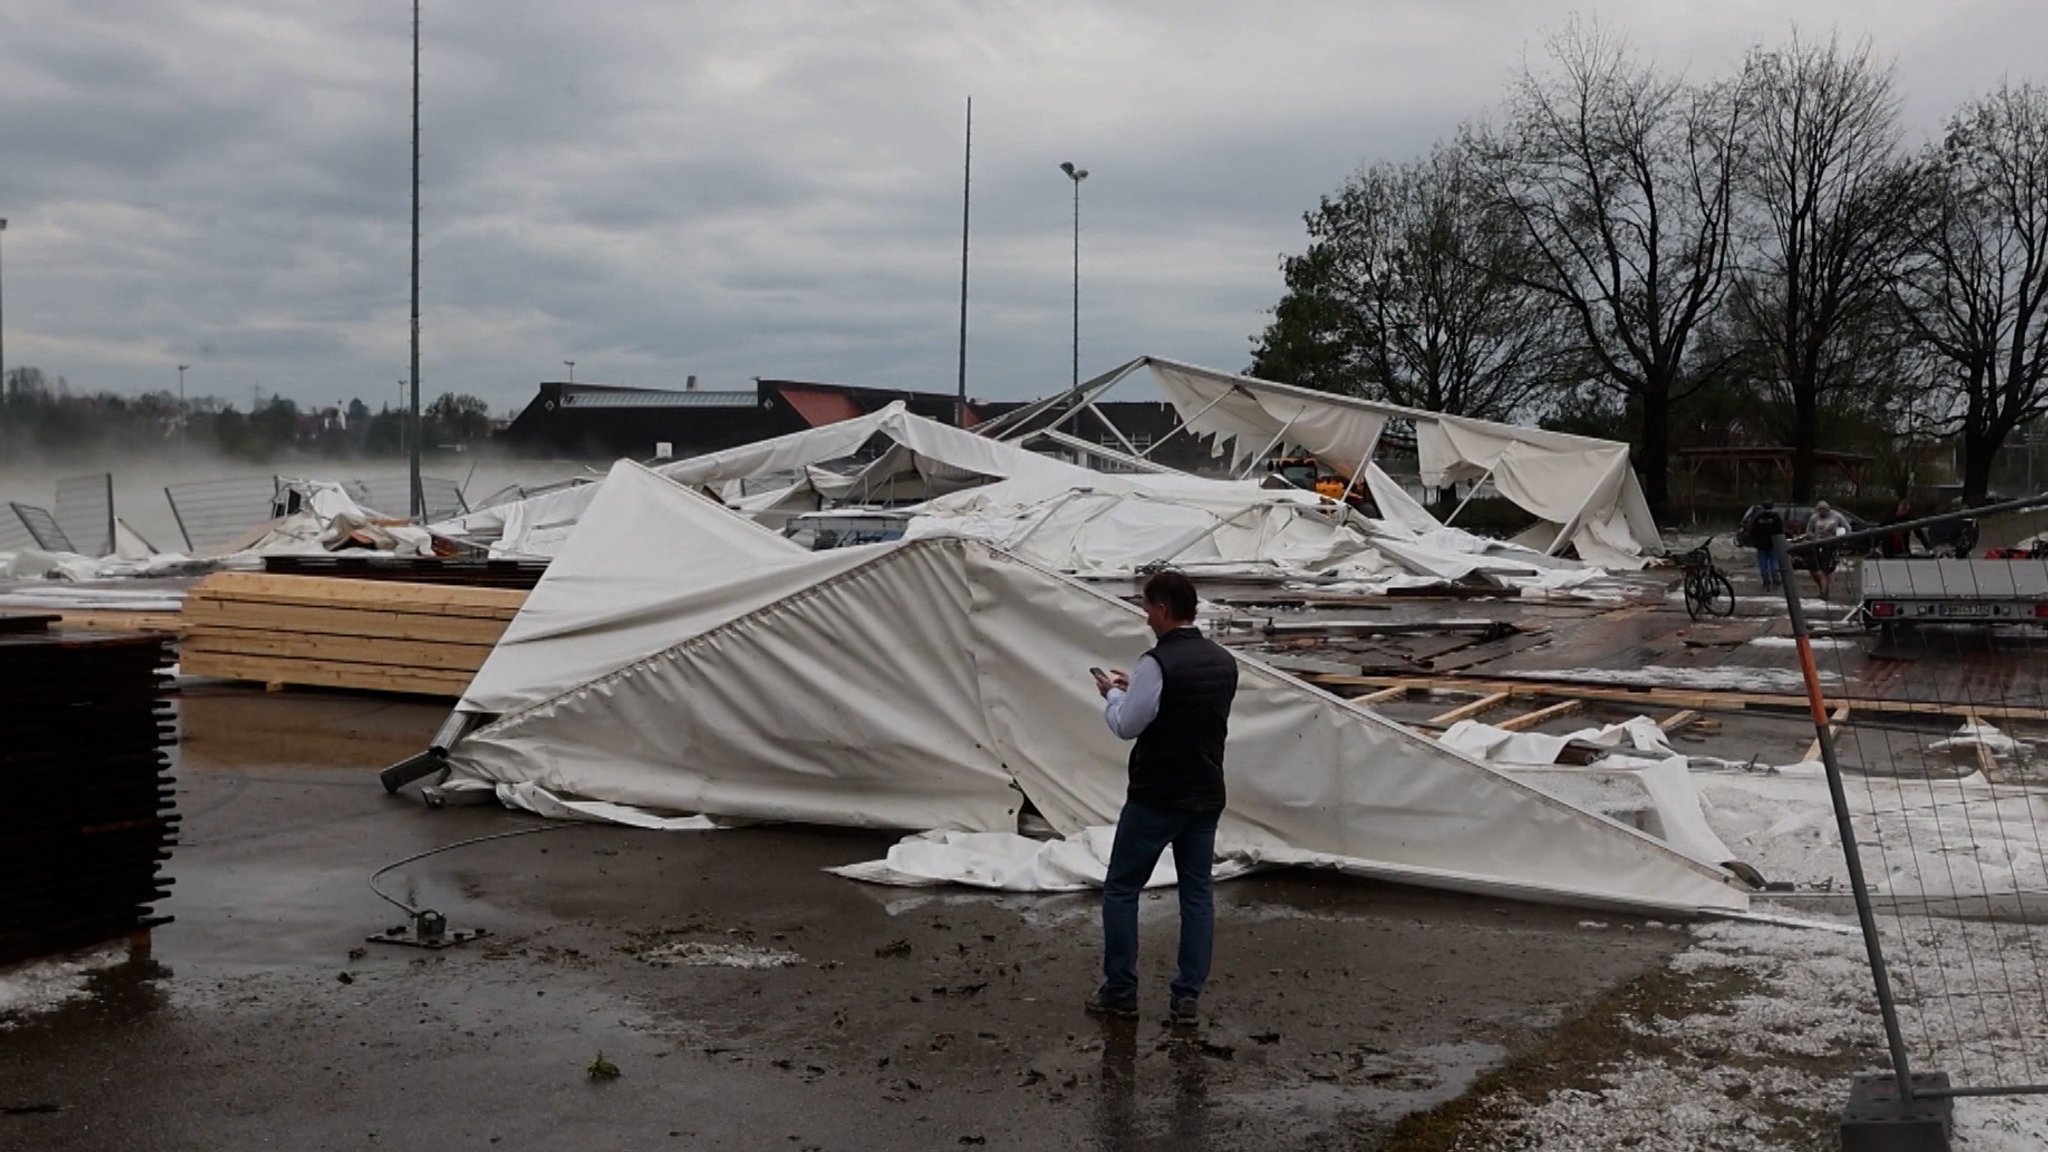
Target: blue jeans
[
  {"x": 1767, "y": 565},
  {"x": 1142, "y": 833}
]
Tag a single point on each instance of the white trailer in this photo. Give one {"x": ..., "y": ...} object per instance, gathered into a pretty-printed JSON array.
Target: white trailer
[{"x": 1942, "y": 591}]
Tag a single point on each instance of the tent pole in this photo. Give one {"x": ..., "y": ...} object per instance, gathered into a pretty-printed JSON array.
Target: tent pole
[
  {"x": 1468, "y": 497},
  {"x": 1364, "y": 459},
  {"x": 1566, "y": 530},
  {"x": 1183, "y": 425},
  {"x": 1018, "y": 542},
  {"x": 1270, "y": 445},
  {"x": 1113, "y": 429},
  {"x": 1212, "y": 530}
]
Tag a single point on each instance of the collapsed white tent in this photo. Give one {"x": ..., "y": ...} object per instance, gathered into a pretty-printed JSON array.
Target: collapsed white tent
[
  {"x": 925, "y": 458},
  {"x": 1581, "y": 489},
  {"x": 677, "y": 658},
  {"x": 1072, "y": 519}
]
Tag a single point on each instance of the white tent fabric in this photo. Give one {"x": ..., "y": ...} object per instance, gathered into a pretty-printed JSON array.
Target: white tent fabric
[
  {"x": 927, "y": 458},
  {"x": 1581, "y": 488},
  {"x": 683, "y": 661}
]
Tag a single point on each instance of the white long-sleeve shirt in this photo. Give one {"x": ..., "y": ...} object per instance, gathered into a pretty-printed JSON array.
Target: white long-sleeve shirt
[{"x": 1128, "y": 711}]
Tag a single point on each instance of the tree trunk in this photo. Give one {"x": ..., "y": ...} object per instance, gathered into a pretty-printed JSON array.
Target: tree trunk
[
  {"x": 1980, "y": 448},
  {"x": 1655, "y": 464},
  {"x": 1805, "y": 433}
]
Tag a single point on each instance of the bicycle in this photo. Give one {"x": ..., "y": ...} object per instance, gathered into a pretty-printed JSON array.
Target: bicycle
[{"x": 1707, "y": 590}]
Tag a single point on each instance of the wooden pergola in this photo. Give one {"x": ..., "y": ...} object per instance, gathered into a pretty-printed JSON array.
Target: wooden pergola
[{"x": 1753, "y": 468}]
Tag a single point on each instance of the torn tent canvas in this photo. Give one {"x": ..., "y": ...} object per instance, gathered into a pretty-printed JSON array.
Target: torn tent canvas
[
  {"x": 680, "y": 659},
  {"x": 1581, "y": 489}
]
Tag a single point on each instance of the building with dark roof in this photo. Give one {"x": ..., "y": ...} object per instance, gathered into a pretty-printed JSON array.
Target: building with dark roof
[
  {"x": 602, "y": 421},
  {"x": 605, "y": 422}
]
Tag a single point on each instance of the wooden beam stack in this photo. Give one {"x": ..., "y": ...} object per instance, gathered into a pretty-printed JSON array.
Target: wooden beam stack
[{"x": 371, "y": 635}]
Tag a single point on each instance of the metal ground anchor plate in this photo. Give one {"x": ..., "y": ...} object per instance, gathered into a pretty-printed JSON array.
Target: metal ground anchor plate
[
  {"x": 1877, "y": 1120},
  {"x": 427, "y": 930}
]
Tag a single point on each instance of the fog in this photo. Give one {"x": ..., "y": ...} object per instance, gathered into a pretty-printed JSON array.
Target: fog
[{"x": 139, "y": 481}]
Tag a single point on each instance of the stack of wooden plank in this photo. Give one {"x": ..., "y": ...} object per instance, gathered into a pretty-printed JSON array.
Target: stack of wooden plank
[
  {"x": 88, "y": 820},
  {"x": 372, "y": 635}
]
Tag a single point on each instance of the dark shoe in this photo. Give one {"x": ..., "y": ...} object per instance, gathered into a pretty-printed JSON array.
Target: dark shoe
[
  {"x": 1184, "y": 1011},
  {"x": 1100, "y": 1005}
]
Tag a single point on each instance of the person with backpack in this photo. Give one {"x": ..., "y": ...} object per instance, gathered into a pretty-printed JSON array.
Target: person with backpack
[{"x": 1764, "y": 527}]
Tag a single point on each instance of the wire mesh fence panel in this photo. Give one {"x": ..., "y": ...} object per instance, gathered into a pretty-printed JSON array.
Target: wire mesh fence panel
[
  {"x": 85, "y": 509},
  {"x": 14, "y": 534},
  {"x": 1929, "y": 682},
  {"x": 392, "y": 495},
  {"x": 213, "y": 512},
  {"x": 42, "y": 528}
]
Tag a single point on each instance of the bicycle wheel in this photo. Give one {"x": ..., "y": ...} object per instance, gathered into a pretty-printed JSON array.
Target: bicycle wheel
[
  {"x": 1695, "y": 595},
  {"x": 1717, "y": 595}
]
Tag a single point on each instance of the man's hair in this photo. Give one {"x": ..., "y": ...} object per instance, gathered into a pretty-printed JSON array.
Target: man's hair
[{"x": 1172, "y": 591}]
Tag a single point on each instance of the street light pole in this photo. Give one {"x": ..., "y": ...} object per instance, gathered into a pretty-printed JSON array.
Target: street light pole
[
  {"x": 1076, "y": 175},
  {"x": 181, "y": 408},
  {"x": 571, "y": 365},
  {"x": 3, "y": 329},
  {"x": 419, "y": 495}
]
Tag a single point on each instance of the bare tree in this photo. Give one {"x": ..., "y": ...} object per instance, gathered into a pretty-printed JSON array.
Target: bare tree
[
  {"x": 1975, "y": 285},
  {"x": 1414, "y": 290},
  {"x": 1828, "y": 205},
  {"x": 1623, "y": 181}
]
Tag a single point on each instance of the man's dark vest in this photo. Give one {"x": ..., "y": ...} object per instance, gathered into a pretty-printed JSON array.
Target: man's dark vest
[{"x": 1177, "y": 761}]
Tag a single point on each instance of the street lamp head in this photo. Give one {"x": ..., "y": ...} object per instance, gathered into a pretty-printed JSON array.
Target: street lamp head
[{"x": 1075, "y": 174}]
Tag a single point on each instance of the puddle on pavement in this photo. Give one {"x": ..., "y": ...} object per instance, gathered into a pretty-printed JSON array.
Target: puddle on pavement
[{"x": 1379, "y": 1085}]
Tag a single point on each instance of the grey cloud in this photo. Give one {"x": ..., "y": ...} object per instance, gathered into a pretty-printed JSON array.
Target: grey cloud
[{"x": 654, "y": 189}]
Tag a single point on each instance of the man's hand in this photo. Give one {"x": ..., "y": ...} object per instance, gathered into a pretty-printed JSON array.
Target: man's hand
[{"x": 1115, "y": 679}]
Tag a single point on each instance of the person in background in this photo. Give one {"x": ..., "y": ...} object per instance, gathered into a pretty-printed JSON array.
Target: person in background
[
  {"x": 1898, "y": 543},
  {"x": 1766, "y": 524},
  {"x": 1175, "y": 704},
  {"x": 1825, "y": 524}
]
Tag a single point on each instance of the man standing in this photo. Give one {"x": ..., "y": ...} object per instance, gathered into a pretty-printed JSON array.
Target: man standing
[
  {"x": 1176, "y": 704},
  {"x": 1762, "y": 527},
  {"x": 1825, "y": 524}
]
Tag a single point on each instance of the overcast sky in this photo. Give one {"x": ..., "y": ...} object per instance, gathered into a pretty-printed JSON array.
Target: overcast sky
[{"x": 654, "y": 189}]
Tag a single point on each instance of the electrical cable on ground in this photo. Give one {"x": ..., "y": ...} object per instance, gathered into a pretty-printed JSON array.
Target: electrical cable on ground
[{"x": 411, "y": 911}]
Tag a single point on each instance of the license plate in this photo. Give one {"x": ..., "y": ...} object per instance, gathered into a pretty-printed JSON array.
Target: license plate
[{"x": 1966, "y": 610}]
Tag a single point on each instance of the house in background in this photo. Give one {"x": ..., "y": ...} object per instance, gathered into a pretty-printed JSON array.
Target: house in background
[{"x": 604, "y": 422}]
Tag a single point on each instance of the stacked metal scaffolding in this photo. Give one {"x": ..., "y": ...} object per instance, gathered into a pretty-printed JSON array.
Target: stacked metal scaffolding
[{"x": 89, "y": 820}]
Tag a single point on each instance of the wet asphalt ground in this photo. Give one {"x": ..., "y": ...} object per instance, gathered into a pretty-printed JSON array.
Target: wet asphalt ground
[{"x": 898, "y": 1018}]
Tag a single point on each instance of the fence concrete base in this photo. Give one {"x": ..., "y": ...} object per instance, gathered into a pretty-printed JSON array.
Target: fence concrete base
[{"x": 1877, "y": 1120}]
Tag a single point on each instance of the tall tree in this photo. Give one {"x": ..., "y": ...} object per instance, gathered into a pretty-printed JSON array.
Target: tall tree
[
  {"x": 455, "y": 418},
  {"x": 1623, "y": 182},
  {"x": 1828, "y": 204},
  {"x": 1414, "y": 290},
  {"x": 1974, "y": 288}
]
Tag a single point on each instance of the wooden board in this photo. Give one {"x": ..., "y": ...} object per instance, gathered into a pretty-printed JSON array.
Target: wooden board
[
  {"x": 388, "y": 593},
  {"x": 1680, "y": 721},
  {"x": 323, "y": 632},
  {"x": 214, "y": 616},
  {"x": 170, "y": 622},
  {"x": 1529, "y": 720},
  {"x": 1467, "y": 711},
  {"x": 1699, "y": 700},
  {"x": 437, "y": 600},
  {"x": 326, "y": 674},
  {"x": 348, "y": 649}
]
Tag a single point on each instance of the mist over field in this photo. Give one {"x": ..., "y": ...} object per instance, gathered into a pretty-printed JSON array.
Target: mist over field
[{"x": 140, "y": 479}]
